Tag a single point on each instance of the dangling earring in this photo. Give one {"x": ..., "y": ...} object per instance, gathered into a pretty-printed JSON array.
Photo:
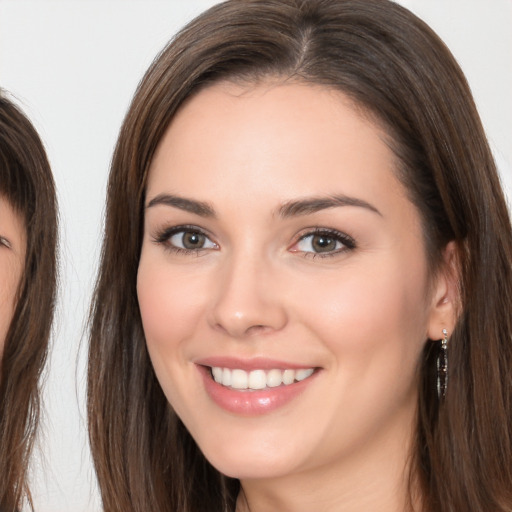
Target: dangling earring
[{"x": 442, "y": 367}]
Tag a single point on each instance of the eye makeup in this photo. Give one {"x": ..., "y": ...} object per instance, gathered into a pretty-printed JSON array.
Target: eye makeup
[
  {"x": 185, "y": 239},
  {"x": 314, "y": 242},
  {"x": 323, "y": 242}
]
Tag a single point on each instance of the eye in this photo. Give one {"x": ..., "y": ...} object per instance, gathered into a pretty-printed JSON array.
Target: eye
[
  {"x": 324, "y": 243},
  {"x": 185, "y": 239},
  {"x": 191, "y": 240}
]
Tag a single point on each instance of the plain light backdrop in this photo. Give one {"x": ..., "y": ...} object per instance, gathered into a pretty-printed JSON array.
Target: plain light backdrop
[{"x": 73, "y": 66}]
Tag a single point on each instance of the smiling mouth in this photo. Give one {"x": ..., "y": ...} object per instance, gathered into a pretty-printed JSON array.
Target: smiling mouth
[{"x": 240, "y": 380}]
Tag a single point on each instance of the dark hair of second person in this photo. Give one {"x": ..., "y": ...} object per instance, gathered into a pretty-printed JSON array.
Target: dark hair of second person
[{"x": 27, "y": 193}]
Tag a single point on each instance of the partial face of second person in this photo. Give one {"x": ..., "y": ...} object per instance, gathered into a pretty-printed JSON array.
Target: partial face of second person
[
  {"x": 283, "y": 283},
  {"x": 12, "y": 256}
]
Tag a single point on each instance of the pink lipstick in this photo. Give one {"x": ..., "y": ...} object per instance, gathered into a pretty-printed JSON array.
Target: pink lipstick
[{"x": 256, "y": 386}]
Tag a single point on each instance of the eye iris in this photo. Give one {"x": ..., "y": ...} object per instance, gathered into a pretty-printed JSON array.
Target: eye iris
[
  {"x": 322, "y": 243},
  {"x": 193, "y": 240}
]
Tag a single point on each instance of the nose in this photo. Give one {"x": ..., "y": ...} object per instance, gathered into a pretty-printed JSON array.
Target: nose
[{"x": 248, "y": 299}]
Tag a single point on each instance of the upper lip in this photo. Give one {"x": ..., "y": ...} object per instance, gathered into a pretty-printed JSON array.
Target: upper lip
[{"x": 255, "y": 363}]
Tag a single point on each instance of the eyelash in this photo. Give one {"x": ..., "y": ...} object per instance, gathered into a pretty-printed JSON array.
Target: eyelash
[
  {"x": 347, "y": 241},
  {"x": 163, "y": 238}
]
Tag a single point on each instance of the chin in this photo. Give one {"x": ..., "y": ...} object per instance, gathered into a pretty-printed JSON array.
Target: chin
[
  {"x": 243, "y": 461},
  {"x": 251, "y": 468}
]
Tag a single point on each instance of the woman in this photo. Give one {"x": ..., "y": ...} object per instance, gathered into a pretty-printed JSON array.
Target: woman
[
  {"x": 305, "y": 288},
  {"x": 28, "y": 237}
]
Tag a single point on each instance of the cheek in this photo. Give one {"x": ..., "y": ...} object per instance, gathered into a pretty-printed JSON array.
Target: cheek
[
  {"x": 6, "y": 311},
  {"x": 372, "y": 322},
  {"x": 9, "y": 278},
  {"x": 171, "y": 303},
  {"x": 171, "y": 306},
  {"x": 367, "y": 310}
]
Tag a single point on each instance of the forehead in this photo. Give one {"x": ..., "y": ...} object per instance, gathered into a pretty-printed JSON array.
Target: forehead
[{"x": 268, "y": 134}]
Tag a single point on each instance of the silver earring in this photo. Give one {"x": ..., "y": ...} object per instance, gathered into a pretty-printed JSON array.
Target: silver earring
[{"x": 442, "y": 367}]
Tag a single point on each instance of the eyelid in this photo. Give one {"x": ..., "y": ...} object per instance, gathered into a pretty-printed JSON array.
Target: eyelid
[
  {"x": 166, "y": 232},
  {"x": 347, "y": 241},
  {"x": 163, "y": 235}
]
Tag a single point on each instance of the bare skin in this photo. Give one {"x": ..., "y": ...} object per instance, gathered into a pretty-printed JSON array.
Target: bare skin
[
  {"x": 295, "y": 243},
  {"x": 12, "y": 256}
]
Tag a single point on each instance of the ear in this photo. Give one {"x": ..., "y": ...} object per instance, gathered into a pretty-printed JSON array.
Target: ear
[{"x": 445, "y": 294}]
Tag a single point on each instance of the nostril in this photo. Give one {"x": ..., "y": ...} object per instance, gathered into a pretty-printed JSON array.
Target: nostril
[
  {"x": 257, "y": 329},
  {"x": 252, "y": 330},
  {"x": 241, "y": 311}
]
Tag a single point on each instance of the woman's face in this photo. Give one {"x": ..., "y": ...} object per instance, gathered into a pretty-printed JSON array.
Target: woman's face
[
  {"x": 12, "y": 256},
  {"x": 283, "y": 282}
]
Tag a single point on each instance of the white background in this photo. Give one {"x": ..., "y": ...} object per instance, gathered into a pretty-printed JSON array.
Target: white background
[{"x": 73, "y": 66}]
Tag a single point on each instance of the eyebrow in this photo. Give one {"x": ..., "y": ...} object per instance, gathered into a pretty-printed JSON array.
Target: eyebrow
[
  {"x": 299, "y": 207},
  {"x": 200, "y": 208},
  {"x": 311, "y": 205}
]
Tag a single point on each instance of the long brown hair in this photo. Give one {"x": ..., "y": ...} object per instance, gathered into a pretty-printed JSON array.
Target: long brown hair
[
  {"x": 397, "y": 70},
  {"x": 26, "y": 182}
]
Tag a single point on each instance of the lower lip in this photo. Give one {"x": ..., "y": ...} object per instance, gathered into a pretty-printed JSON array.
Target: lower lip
[{"x": 252, "y": 402}]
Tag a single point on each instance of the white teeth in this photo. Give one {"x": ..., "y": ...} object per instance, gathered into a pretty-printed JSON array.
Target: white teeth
[
  {"x": 274, "y": 378},
  {"x": 288, "y": 376},
  {"x": 226, "y": 377},
  {"x": 303, "y": 374},
  {"x": 217, "y": 374},
  {"x": 239, "y": 379},
  {"x": 258, "y": 379}
]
